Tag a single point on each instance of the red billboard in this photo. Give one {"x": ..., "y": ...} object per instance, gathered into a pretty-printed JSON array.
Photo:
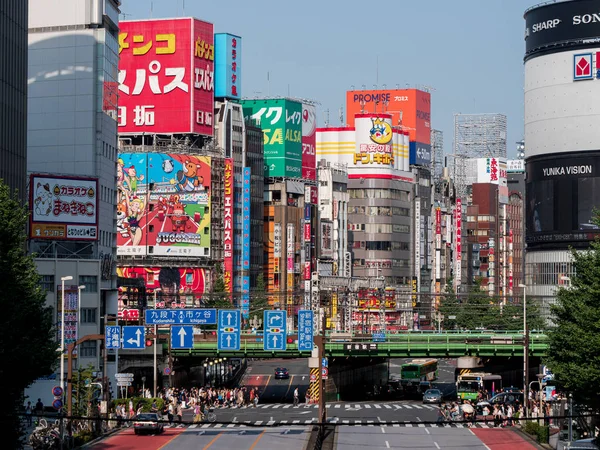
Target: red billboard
[
  {"x": 410, "y": 109},
  {"x": 309, "y": 142},
  {"x": 166, "y": 71},
  {"x": 228, "y": 227}
]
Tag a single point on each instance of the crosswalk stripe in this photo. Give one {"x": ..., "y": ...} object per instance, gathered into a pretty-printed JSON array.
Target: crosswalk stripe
[
  {"x": 358, "y": 421},
  {"x": 397, "y": 406},
  {"x": 417, "y": 406},
  {"x": 368, "y": 406},
  {"x": 295, "y": 422},
  {"x": 328, "y": 405},
  {"x": 276, "y": 406},
  {"x": 357, "y": 406},
  {"x": 286, "y": 406},
  {"x": 370, "y": 422},
  {"x": 231, "y": 425},
  {"x": 379, "y": 422},
  {"x": 270, "y": 422},
  {"x": 283, "y": 422},
  {"x": 407, "y": 406},
  {"x": 338, "y": 405},
  {"x": 409, "y": 425},
  {"x": 206, "y": 425},
  {"x": 218, "y": 425},
  {"x": 387, "y": 406},
  {"x": 345, "y": 421},
  {"x": 378, "y": 406},
  {"x": 266, "y": 405},
  {"x": 308, "y": 421},
  {"x": 194, "y": 425},
  {"x": 258, "y": 423}
]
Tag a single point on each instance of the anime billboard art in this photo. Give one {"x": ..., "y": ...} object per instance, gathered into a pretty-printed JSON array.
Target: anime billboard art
[{"x": 163, "y": 204}]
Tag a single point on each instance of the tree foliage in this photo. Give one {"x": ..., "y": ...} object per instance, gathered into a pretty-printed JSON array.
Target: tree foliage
[
  {"x": 258, "y": 300},
  {"x": 29, "y": 348},
  {"x": 574, "y": 342}
]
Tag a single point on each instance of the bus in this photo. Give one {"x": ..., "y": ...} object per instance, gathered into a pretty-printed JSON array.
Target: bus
[
  {"x": 468, "y": 385},
  {"x": 417, "y": 374}
]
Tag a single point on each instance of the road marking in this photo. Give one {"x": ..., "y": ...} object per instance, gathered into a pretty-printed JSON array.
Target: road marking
[
  {"x": 266, "y": 405},
  {"x": 407, "y": 407},
  {"x": 387, "y": 444},
  {"x": 271, "y": 419},
  {"x": 305, "y": 412},
  {"x": 345, "y": 421},
  {"x": 383, "y": 430},
  {"x": 370, "y": 423},
  {"x": 422, "y": 425},
  {"x": 357, "y": 406},
  {"x": 277, "y": 406},
  {"x": 397, "y": 406},
  {"x": 436, "y": 445},
  {"x": 194, "y": 425},
  {"x": 289, "y": 386},
  {"x": 295, "y": 422},
  {"x": 337, "y": 406},
  {"x": 328, "y": 405},
  {"x": 409, "y": 425},
  {"x": 387, "y": 406},
  {"x": 283, "y": 421},
  {"x": 230, "y": 425},
  {"x": 258, "y": 438},
  {"x": 308, "y": 421},
  {"x": 419, "y": 419},
  {"x": 270, "y": 422},
  {"x": 357, "y": 421},
  {"x": 234, "y": 419},
  {"x": 427, "y": 431},
  {"x": 286, "y": 406},
  {"x": 209, "y": 445},
  {"x": 206, "y": 425},
  {"x": 377, "y": 406},
  {"x": 258, "y": 423},
  {"x": 417, "y": 406},
  {"x": 368, "y": 406},
  {"x": 200, "y": 433},
  {"x": 219, "y": 425}
]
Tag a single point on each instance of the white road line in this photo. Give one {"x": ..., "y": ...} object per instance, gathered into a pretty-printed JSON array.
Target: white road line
[
  {"x": 407, "y": 407},
  {"x": 427, "y": 431},
  {"x": 358, "y": 421},
  {"x": 194, "y": 425},
  {"x": 370, "y": 422},
  {"x": 219, "y": 425},
  {"x": 234, "y": 419},
  {"x": 266, "y": 405},
  {"x": 377, "y": 406},
  {"x": 397, "y": 406},
  {"x": 286, "y": 406},
  {"x": 270, "y": 422},
  {"x": 345, "y": 421},
  {"x": 337, "y": 406},
  {"x": 283, "y": 421},
  {"x": 206, "y": 425},
  {"x": 231, "y": 425},
  {"x": 383, "y": 430},
  {"x": 409, "y": 425},
  {"x": 460, "y": 425},
  {"x": 368, "y": 406},
  {"x": 328, "y": 405},
  {"x": 308, "y": 421},
  {"x": 258, "y": 423},
  {"x": 276, "y": 406},
  {"x": 436, "y": 445},
  {"x": 357, "y": 406},
  {"x": 419, "y": 419},
  {"x": 387, "y": 406},
  {"x": 387, "y": 444},
  {"x": 295, "y": 422},
  {"x": 417, "y": 406},
  {"x": 421, "y": 425}
]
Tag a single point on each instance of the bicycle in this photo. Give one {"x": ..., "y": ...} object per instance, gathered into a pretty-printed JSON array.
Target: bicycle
[{"x": 209, "y": 416}]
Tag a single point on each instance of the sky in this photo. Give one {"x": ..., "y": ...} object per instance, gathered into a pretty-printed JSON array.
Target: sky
[{"x": 470, "y": 52}]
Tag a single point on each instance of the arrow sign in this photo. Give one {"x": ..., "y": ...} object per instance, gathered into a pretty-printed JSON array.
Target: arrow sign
[
  {"x": 182, "y": 334},
  {"x": 229, "y": 316},
  {"x": 182, "y": 337},
  {"x": 134, "y": 337},
  {"x": 228, "y": 330},
  {"x": 274, "y": 318},
  {"x": 275, "y": 337},
  {"x": 275, "y": 341},
  {"x": 135, "y": 341}
]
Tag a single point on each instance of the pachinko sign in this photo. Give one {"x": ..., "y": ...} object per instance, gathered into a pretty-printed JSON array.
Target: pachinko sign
[
  {"x": 63, "y": 208},
  {"x": 228, "y": 226}
]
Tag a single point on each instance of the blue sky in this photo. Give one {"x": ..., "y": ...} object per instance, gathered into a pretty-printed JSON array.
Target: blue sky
[{"x": 469, "y": 51}]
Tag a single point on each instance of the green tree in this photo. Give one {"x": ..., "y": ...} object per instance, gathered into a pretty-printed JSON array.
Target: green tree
[
  {"x": 218, "y": 298},
  {"x": 28, "y": 349},
  {"x": 574, "y": 341},
  {"x": 259, "y": 299},
  {"x": 449, "y": 306}
]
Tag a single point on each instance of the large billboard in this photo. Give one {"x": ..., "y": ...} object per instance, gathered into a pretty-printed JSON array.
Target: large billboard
[
  {"x": 166, "y": 76},
  {"x": 71, "y": 311},
  {"x": 491, "y": 170},
  {"x": 246, "y": 175},
  {"x": 171, "y": 287},
  {"x": 228, "y": 232},
  {"x": 228, "y": 66},
  {"x": 410, "y": 109},
  {"x": 309, "y": 142},
  {"x": 63, "y": 208},
  {"x": 281, "y": 123},
  {"x": 163, "y": 204}
]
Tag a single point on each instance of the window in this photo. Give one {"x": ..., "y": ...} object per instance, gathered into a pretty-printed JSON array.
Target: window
[
  {"x": 88, "y": 349},
  {"x": 90, "y": 282},
  {"x": 88, "y": 315},
  {"x": 47, "y": 283}
]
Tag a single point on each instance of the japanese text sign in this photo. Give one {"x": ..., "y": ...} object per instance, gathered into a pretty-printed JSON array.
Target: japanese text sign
[
  {"x": 228, "y": 227},
  {"x": 166, "y": 76},
  {"x": 305, "y": 330},
  {"x": 228, "y": 65}
]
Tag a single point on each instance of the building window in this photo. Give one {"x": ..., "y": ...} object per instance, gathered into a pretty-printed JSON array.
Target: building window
[
  {"x": 47, "y": 283},
  {"x": 90, "y": 282},
  {"x": 88, "y": 349},
  {"x": 88, "y": 315}
]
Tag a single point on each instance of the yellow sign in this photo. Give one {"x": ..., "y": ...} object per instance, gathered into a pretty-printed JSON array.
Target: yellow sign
[{"x": 334, "y": 304}]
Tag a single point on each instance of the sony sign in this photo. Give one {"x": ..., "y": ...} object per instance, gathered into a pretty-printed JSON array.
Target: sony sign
[{"x": 586, "y": 18}]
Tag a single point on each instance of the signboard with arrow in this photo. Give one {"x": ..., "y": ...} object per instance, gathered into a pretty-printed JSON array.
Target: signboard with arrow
[
  {"x": 229, "y": 329},
  {"x": 134, "y": 337},
  {"x": 182, "y": 337},
  {"x": 275, "y": 333}
]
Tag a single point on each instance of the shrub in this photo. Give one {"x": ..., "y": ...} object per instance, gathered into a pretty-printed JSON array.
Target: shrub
[{"x": 539, "y": 432}]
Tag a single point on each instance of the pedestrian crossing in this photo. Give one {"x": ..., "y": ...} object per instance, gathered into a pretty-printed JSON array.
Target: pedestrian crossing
[
  {"x": 346, "y": 406},
  {"x": 333, "y": 420}
]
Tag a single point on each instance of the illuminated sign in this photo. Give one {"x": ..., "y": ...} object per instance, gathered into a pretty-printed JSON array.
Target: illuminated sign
[
  {"x": 228, "y": 66},
  {"x": 228, "y": 227}
]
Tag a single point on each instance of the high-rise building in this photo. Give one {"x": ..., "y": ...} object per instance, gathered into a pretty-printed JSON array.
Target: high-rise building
[
  {"x": 72, "y": 156},
  {"x": 13, "y": 95}
]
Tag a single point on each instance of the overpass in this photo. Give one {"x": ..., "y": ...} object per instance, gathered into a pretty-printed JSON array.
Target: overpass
[{"x": 408, "y": 344}]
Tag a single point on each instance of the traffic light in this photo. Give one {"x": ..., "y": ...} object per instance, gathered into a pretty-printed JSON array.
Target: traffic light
[{"x": 149, "y": 342}]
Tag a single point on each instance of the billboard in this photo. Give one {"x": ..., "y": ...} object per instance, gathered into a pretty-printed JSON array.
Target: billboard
[
  {"x": 458, "y": 244},
  {"x": 228, "y": 66},
  {"x": 71, "y": 309},
  {"x": 166, "y": 76},
  {"x": 63, "y": 208},
  {"x": 163, "y": 204},
  {"x": 228, "y": 226},
  {"x": 172, "y": 287},
  {"x": 420, "y": 154},
  {"x": 281, "y": 123},
  {"x": 309, "y": 142},
  {"x": 246, "y": 218},
  {"x": 515, "y": 166},
  {"x": 491, "y": 170},
  {"x": 326, "y": 239},
  {"x": 410, "y": 109}
]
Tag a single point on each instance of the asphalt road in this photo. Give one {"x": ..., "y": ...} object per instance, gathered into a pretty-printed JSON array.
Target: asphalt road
[{"x": 262, "y": 374}]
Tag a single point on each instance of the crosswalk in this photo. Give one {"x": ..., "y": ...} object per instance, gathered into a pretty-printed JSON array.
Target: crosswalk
[
  {"x": 346, "y": 406},
  {"x": 333, "y": 420}
]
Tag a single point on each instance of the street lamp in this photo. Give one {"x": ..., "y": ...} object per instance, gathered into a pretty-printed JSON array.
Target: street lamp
[
  {"x": 525, "y": 351},
  {"x": 154, "y": 368},
  {"x": 79, "y": 289},
  {"x": 62, "y": 332}
]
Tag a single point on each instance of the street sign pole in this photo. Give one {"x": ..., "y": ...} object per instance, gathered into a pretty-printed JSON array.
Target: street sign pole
[
  {"x": 321, "y": 352},
  {"x": 154, "y": 365},
  {"x": 170, "y": 363}
]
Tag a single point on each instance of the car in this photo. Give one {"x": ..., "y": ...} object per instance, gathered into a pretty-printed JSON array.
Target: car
[
  {"x": 504, "y": 398},
  {"x": 147, "y": 423},
  {"x": 584, "y": 444},
  {"x": 432, "y": 396},
  {"x": 281, "y": 373}
]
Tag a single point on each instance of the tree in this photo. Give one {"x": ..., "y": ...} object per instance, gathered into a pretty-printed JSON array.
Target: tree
[
  {"x": 449, "y": 305},
  {"x": 28, "y": 349},
  {"x": 573, "y": 352},
  {"x": 259, "y": 301}
]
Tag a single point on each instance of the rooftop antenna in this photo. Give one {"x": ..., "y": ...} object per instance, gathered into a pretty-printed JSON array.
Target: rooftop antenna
[
  {"x": 326, "y": 114},
  {"x": 342, "y": 116},
  {"x": 183, "y": 8},
  {"x": 376, "y": 101}
]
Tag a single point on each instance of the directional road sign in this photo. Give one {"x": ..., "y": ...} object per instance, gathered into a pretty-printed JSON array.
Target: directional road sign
[
  {"x": 275, "y": 333},
  {"x": 229, "y": 328},
  {"x": 182, "y": 337},
  {"x": 134, "y": 338},
  {"x": 181, "y": 316},
  {"x": 378, "y": 337},
  {"x": 305, "y": 330},
  {"x": 112, "y": 336}
]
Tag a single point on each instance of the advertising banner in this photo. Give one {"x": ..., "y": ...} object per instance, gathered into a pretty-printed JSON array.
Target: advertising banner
[
  {"x": 281, "y": 123},
  {"x": 418, "y": 247},
  {"x": 458, "y": 243},
  {"x": 245, "y": 306},
  {"x": 420, "y": 154},
  {"x": 374, "y": 141},
  {"x": 277, "y": 240},
  {"x": 166, "y": 76},
  {"x": 515, "y": 166},
  {"x": 173, "y": 217},
  {"x": 291, "y": 243},
  {"x": 63, "y": 208},
  {"x": 410, "y": 109},
  {"x": 228, "y": 66},
  {"x": 246, "y": 219},
  {"x": 71, "y": 309},
  {"x": 166, "y": 287},
  {"x": 228, "y": 226},
  {"x": 326, "y": 239},
  {"x": 309, "y": 142},
  {"x": 492, "y": 170}
]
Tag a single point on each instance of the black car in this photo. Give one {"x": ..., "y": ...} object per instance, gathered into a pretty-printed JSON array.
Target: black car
[{"x": 281, "y": 373}]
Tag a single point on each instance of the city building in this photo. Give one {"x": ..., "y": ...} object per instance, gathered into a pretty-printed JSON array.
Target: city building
[
  {"x": 13, "y": 96},
  {"x": 515, "y": 172},
  {"x": 562, "y": 157},
  {"x": 72, "y": 156}
]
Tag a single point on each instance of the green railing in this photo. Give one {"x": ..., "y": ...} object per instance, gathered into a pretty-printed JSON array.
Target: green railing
[{"x": 409, "y": 344}]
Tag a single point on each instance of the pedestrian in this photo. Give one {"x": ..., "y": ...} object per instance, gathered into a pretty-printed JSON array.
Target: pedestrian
[
  {"x": 296, "y": 394},
  {"x": 28, "y": 412},
  {"x": 440, "y": 413},
  {"x": 306, "y": 399},
  {"x": 170, "y": 412},
  {"x": 131, "y": 411},
  {"x": 255, "y": 401},
  {"x": 39, "y": 408},
  {"x": 179, "y": 412}
]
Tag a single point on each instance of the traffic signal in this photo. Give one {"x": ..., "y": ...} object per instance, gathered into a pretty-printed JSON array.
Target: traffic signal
[{"x": 148, "y": 342}]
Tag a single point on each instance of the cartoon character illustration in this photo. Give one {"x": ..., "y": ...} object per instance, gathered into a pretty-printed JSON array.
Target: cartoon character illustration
[
  {"x": 188, "y": 178},
  {"x": 121, "y": 178},
  {"x": 133, "y": 178},
  {"x": 43, "y": 199},
  {"x": 179, "y": 219},
  {"x": 381, "y": 133},
  {"x": 122, "y": 224},
  {"x": 135, "y": 213}
]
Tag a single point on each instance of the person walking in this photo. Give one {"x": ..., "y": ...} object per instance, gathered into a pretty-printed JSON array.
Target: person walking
[
  {"x": 28, "y": 412},
  {"x": 39, "y": 408},
  {"x": 179, "y": 412},
  {"x": 170, "y": 412},
  {"x": 296, "y": 395}
]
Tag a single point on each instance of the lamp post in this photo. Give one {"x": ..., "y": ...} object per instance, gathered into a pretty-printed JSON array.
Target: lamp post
[
  {"x": 154, "y": 368},
  {"x": 62, "y": 331},
  {"x": 570, "y": 417},
  {"x": 79, "y": 289},
  {"x": 525, "y": 351}
]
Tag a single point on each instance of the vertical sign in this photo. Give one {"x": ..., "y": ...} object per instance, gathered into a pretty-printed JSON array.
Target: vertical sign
[
  {"x": 204, "y": 75},
  {"x": 228, "y": 66},
  {"x": 309, "y": 136},
  {"x": 246, "y": 242},
  {"x": 307, "y": 246},
  {"x": 276, "y": 249},
  {"x": 510, "y": 263},
  {"x": 70, "y": 313},
  {"x": 228, "y": 227},
  {"x": 491, "y": 266},
  {"x": 417, "y": 234},
  {"x": 305, "y": 330},
  {"x": 438, "y": 251},
  {"x": 458, "y": 244},
  {"x": 291, "y": 250}
]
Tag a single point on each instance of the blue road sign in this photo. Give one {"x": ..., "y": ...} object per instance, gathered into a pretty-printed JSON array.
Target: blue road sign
[
  {"x": 182, "y": 336},
  {"x": 112, "y": 336},
  {"x": 229, "y": 329},
  {"x": 324, "y": 362},
  {"x": 134, "y": 338},
  {"x": 378, "y": 337},
  {"x": 275, "y": 333},
  {"x": 181, "y": 316},
  {"x": 305, "y": 330}
]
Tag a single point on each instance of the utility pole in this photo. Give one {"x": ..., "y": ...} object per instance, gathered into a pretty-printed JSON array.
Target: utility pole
[{"x": 321, "y": 352}]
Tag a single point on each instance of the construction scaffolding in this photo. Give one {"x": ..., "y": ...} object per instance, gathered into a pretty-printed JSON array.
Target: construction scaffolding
[
  {"x": 437, "y": 148},
  {"x": 476, "y": 136}
]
